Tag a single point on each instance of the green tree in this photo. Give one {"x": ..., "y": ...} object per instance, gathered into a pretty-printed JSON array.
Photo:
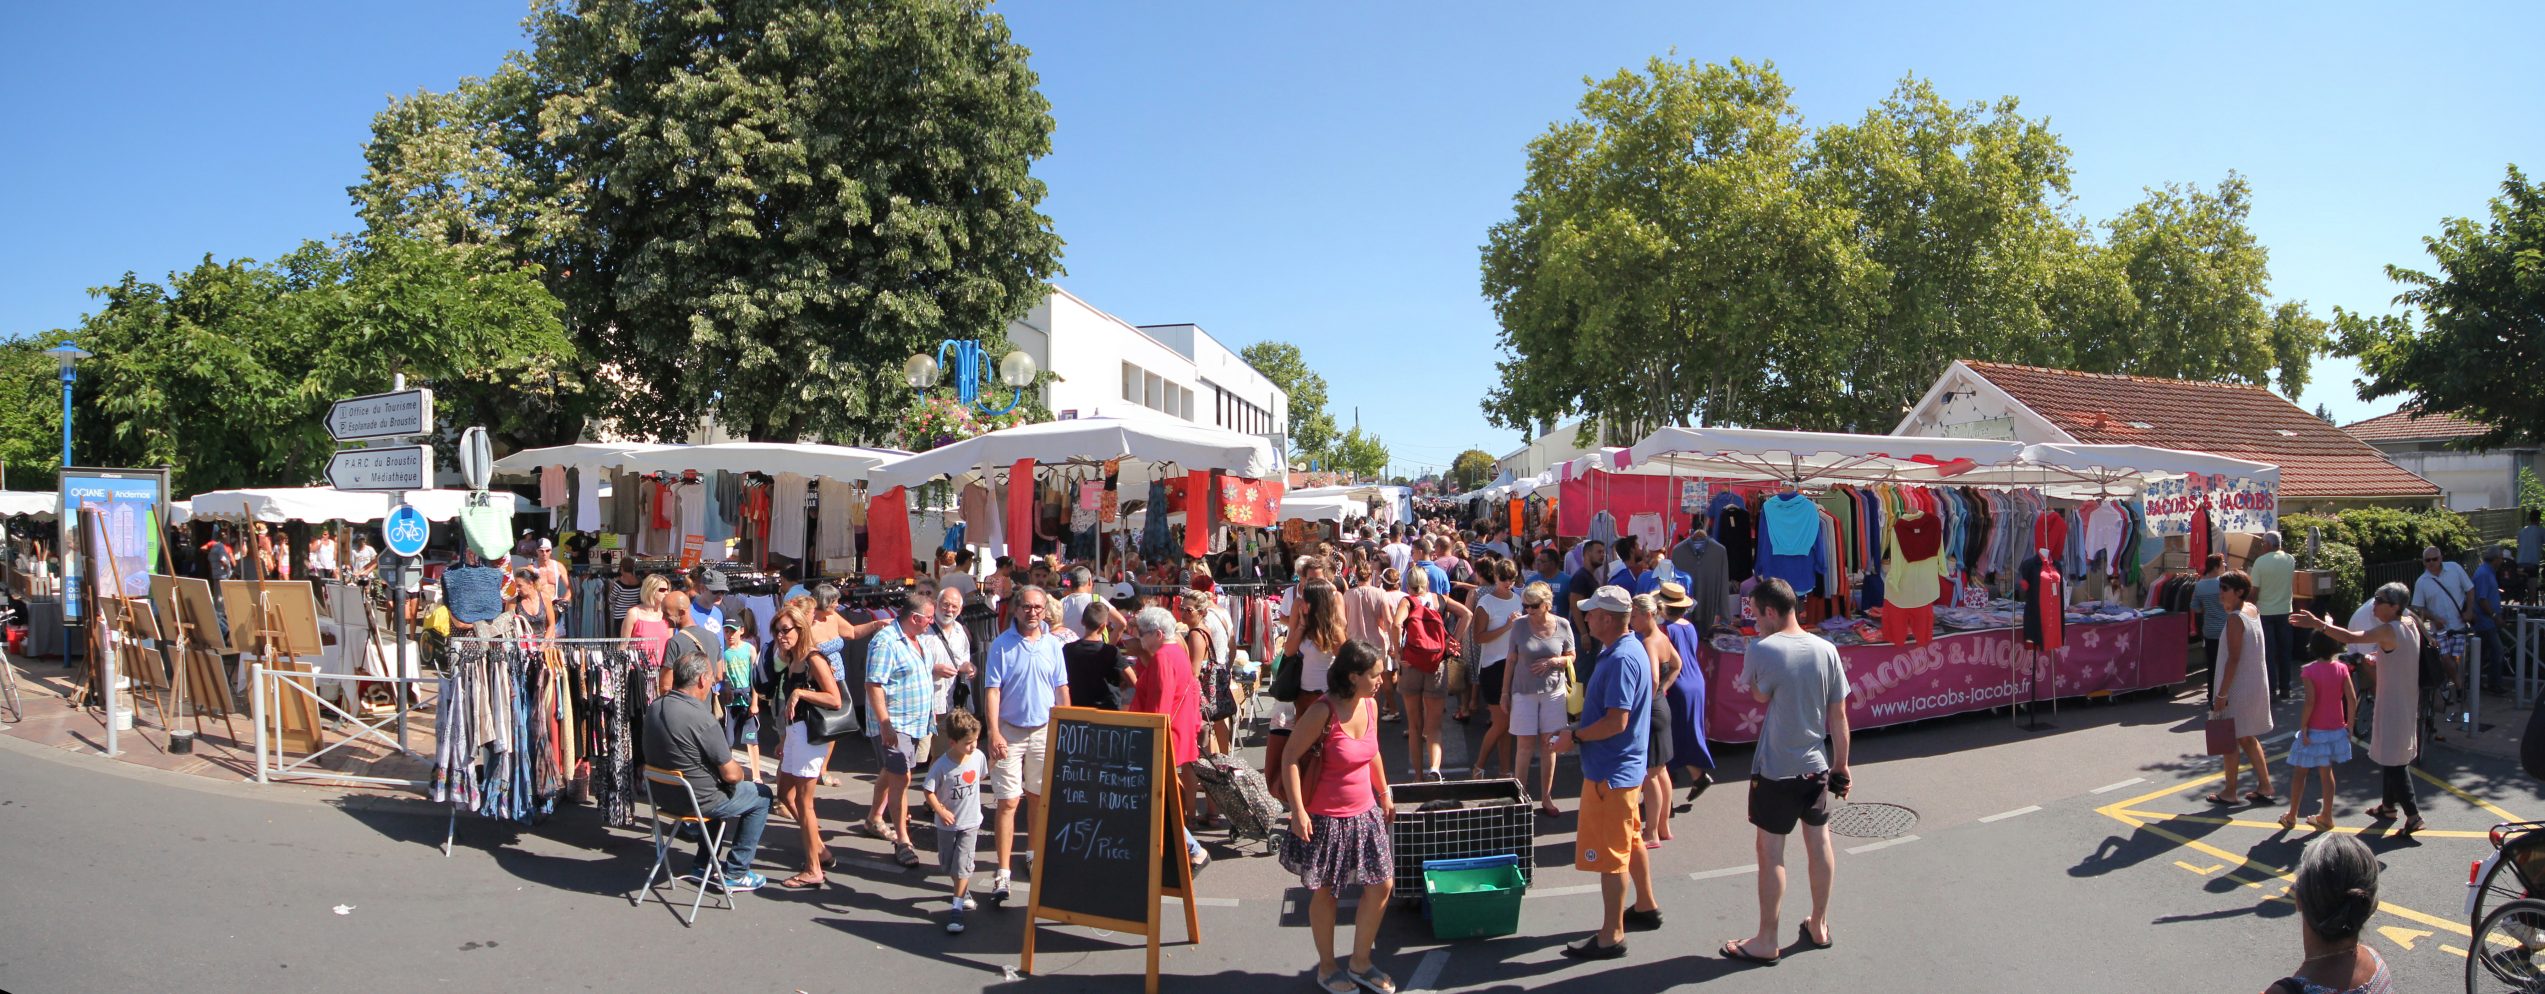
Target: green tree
[
  {"x": 1470, "y": 470},
  {"x": 1686, "y": 251},
  {"x": 30, "y": 411},
  {"x": 2323, "y": 413},
  {"x": 2531, "y": 491},
  {"x": 751, "y": 210},
  {"x": 1961, "y": 212},
  {"x": 1363, "y": 457},
  {"x": 2198, "y": 280},
  {"x": 2472, "y": 340},
  {"x": 1663, "y": 263},
  {"x": 1311, "y": 429},
  {"x": 226, "y": 371}
]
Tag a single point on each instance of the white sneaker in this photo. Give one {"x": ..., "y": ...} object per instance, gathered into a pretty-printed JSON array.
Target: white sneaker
[{"x": 963, "y": 903}]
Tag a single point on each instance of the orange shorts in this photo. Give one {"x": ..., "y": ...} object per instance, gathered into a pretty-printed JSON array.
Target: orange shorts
[{"x": 1612, "y": 827}]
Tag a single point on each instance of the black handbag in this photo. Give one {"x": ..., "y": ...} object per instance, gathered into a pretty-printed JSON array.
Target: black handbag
[
  {"x": 1285, "y": 681},
  {"x": 823, "y": 724}
]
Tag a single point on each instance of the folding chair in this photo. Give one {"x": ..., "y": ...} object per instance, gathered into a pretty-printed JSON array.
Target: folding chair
[{"x": 711, "y": 875}]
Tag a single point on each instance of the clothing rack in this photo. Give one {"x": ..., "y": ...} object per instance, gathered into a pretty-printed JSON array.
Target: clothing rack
[{"x": 556, "y": 708}]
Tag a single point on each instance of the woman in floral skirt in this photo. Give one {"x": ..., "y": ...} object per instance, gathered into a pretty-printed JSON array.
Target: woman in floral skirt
[{"x": 1338, "y": 830}]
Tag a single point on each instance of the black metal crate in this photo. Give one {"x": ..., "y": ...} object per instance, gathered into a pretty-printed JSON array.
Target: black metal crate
[{"x": 1494, "y": 818}]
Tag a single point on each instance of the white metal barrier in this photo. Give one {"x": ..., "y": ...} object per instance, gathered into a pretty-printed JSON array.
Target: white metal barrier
[{"x": 268, "y": 686}]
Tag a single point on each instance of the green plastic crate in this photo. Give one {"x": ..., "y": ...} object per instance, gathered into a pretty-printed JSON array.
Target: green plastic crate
[{"x": 1473, "y": 898}]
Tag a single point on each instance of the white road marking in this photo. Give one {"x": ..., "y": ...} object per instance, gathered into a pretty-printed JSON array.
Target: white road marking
[
  {"x": 1884, "y": 844},
  {"x": 1564, "y": 891},
  {"x": 1428, "y": 971},
  {"x": 1729, "y": 871},
  {"x": 2003, "y": 815},
  {"x": 1213, "y": 902},
  {"x": 2110, "y": 787}
]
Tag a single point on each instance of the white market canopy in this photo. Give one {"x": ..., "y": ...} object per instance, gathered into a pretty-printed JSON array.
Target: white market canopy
[
  {"x": 1329, "y": 507},
  {"x": 24, "y": 503},
  {"x": 1739, "y": 454},
  {"x": 329, "y": 504},
  {"x": 837, "y": 462},
  {"x": 1087, "y": 442},
  {"x": 586, "y": 456}
]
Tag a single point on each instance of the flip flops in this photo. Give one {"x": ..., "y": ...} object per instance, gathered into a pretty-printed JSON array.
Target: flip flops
[
  {"x": 1806, "y": 931},
  {"x": 1733, "y": 950}
]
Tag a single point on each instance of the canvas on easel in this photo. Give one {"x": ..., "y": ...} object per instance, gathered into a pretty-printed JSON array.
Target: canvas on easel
[
  {"x": 202, "y": 683},
  {"x": 277, "y": 621}
]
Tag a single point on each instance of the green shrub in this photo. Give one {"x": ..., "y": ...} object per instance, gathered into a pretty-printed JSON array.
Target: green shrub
[
  {"x": 2350, "y": 574},
  {"x": 2385, "y": 534}
]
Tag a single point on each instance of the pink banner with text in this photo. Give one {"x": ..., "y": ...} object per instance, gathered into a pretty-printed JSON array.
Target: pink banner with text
[{"x": 1974, "y": 671}]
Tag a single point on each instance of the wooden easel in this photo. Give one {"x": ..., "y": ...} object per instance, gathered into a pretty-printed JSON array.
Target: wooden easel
[
  {"x": 1170, "y": 868},
  {"x": 198, "y": 669},
  {"x": 295, "y": 715}
]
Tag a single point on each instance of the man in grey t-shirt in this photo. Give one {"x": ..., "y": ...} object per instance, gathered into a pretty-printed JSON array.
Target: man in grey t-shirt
[
  {"x": 1800, "y": 762},
  {"x": 682, "y": 734}
]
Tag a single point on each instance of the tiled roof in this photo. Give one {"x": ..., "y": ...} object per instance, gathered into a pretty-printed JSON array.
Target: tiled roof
[
  {"x": 2405, "y": 426},
  {"x": 2316, "y": 460}
]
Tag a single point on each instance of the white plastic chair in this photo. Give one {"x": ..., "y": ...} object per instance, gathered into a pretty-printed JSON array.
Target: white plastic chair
[{"x": 710, "y": 876}]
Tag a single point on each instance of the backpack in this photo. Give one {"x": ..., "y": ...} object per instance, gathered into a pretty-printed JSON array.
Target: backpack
[{"x": 1426, "y": 637}]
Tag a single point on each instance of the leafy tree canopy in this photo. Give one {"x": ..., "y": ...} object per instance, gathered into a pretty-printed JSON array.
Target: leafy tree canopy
[
  {"x": 1363, "y": 457},
  {"x": 1686, "y": 251},
  {"x": 225, "y": 372},
  {"x": 756, "y": 210},
  {"x": 2472, "y": 342},
  {"x": 1311, "y": 429},
  {"x": 1470, "y": 470}
]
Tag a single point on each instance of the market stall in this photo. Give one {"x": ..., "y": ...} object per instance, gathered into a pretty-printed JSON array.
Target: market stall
[
  {"x": 1955, "y": 574},
  {"x": 1085, "y": 472},
  {"x": 320, "y": 504}
]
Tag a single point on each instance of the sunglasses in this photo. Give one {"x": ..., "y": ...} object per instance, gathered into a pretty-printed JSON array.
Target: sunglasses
[{"x": 782, "y": 630}]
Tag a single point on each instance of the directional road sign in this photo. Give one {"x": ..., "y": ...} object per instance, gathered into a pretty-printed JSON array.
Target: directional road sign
[
  {"x": 396, "y": 467},
  {"x": 401, "y": 414},
  {"x": 405, "y": 530}
]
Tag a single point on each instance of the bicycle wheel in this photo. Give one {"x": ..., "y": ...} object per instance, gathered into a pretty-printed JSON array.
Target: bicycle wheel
[
  {"x": 2502, "y": 884},
  {"x": 2507, "y": 946}
]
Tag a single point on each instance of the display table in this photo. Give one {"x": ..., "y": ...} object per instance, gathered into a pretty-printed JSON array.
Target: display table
[{"x": 1967, "y": 671}]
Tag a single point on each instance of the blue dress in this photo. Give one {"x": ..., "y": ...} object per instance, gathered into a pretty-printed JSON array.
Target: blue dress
[{"x": 1687, "y": 697}]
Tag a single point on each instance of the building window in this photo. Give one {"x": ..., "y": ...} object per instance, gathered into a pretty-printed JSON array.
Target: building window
[{"x": 1131, "y": 383}]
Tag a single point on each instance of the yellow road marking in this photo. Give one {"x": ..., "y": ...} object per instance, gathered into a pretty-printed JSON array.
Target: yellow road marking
[
  {"x": 2432, "y": 833},
  {"x": 2451, "y": 950},
  {"x": 2402, "y": 936},
  {"x": 2202, "y": 870},
  {"x": 2120, "y": 812}
]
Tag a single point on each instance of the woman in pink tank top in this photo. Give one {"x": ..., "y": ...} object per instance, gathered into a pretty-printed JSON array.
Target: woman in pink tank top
[{"x": 1338, "y": 828}]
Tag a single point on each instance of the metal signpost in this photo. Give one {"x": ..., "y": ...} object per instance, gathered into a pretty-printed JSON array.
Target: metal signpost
[{"x": 397, "y": 416}]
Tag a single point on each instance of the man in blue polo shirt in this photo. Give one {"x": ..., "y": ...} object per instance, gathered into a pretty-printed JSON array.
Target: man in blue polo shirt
[
  {"x": 1024, "y": 680},
  {"x": 1615, "y": 728}
]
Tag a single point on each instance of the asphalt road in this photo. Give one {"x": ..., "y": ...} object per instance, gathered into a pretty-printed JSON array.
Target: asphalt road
[{"x": 2075, "y": 858}]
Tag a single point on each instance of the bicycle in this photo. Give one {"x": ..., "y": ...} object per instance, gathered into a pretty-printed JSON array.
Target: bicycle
[
  {"x": 2505, "y": 949},
  {"x": 2512, "y": 872}
]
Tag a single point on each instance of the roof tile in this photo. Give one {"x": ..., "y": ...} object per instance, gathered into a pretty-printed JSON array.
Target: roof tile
[
  {"x": 2406, "y": 426},
  {"x": 2316, "y": 460}
]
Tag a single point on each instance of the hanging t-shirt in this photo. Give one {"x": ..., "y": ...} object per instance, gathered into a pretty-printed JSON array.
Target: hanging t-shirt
[{"x": 1915, "y": 578}]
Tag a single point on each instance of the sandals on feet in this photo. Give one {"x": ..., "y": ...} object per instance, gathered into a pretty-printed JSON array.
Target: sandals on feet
[
  {"x": 1733, "y": 950},
  {"x": 1374, "y": 980},
  {"x": 1806, "y": 930},
  {"x": 2288, "y": 822},
  {"x": 2410, "y": 827},
  {"x": 2260, "y": 797},
  {"x": 1338, "y": 982},
  {"x": 2321, "y": 823},
  {"x": 2217, "y": 798}
]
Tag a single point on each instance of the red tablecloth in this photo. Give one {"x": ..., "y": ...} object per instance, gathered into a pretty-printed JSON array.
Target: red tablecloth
[{"x": 1972, "y": 671}]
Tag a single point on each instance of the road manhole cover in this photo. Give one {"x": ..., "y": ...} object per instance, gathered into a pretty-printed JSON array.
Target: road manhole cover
[{"x": 1872, "y": 821}]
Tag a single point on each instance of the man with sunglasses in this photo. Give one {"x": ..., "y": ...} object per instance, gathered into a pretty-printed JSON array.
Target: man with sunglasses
[
  {"x": 2444, "y": 595},
  {"x": 1024, "y": 680}
]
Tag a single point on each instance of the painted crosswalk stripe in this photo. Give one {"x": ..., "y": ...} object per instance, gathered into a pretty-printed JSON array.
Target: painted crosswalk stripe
[
  {"x": 2110, "y": 787},
  {"x": 1729, "y": 871},
  {"x": 2003, "y": 815},
  {"x": 1884, "y": 844},
  {"x": 1427, "y": 973}
]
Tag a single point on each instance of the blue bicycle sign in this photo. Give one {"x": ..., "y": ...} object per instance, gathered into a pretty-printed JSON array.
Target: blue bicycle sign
[{"x": 405, "y": 531}]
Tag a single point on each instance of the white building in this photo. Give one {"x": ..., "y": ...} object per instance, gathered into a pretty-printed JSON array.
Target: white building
[
  {"x": 1543, "y": 452},
  {"x": 2431, "y": 446},
  {"x": 1104, "y": 366}
]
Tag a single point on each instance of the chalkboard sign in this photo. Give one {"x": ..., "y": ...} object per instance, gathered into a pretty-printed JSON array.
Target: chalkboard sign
[{"x": 1108, "y": 846}]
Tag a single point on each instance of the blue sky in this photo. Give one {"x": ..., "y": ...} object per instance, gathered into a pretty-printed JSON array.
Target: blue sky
[{"x": 1323, "y": 173}]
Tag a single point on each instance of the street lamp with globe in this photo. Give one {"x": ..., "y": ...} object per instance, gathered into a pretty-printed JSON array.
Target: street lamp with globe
[
  {"x": 968, "y": 361},
  {"x": 68, "y": 355}
]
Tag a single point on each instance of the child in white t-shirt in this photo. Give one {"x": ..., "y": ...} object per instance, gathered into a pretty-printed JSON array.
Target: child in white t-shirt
[{"x": 954, "y": 793}]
